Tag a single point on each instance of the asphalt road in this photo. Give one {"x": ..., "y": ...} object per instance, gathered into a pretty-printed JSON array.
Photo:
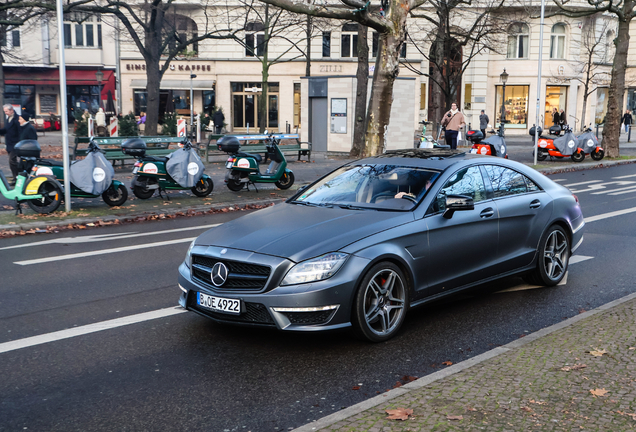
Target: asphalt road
[{"x": 183, "y": 372}]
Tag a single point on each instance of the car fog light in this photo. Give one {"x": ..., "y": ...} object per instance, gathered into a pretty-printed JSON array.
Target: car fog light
[{"x": 322, "y": 267}]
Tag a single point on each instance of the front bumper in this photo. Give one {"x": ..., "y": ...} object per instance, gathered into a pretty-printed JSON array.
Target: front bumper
[{"x": 301, "y": 307}]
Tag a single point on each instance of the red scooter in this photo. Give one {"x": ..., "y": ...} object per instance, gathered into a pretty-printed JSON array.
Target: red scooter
[
  {"x": 560, "y": 147},
  {"x": 493, "y": 146}
]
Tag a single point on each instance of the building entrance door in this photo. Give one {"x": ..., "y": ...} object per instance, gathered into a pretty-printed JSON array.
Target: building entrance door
[
  {"x": 555, "y": 97},
  {"x": 245, "y": 98}
]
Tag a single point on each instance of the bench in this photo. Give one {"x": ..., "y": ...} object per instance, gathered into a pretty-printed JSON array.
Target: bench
[
  {"x": 256, "y": 144},
  {"x": 156, "y": 146}
]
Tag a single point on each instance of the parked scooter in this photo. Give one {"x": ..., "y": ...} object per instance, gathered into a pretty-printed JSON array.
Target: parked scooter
[
  {"x": 492, "y": 146},
  {"x": 243, "y": 170},
  {"x": 99, "y": 173},
  {"x": 560, "y": 147},
  {"x": 590, "y": 145},
  {"x": 181, "y": 170},
  {"x": 42, "y": 193}
]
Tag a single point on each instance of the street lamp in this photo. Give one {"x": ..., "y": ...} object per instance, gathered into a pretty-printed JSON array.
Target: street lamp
[
  {"x": 99, "y": 75},
  {"x": 192, "y": 76},
  {"x": 504, "y": 77}
]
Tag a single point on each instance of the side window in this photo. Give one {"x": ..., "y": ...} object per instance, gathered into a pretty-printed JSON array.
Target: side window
[
  {"x": 467, "y": 182},
  {"x": 506, "y": 181},
  {"x": 532, "y": 186}
]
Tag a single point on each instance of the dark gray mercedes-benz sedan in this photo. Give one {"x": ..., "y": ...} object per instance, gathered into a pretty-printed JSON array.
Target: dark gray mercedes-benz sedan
[{"x": 378, "y": 236}]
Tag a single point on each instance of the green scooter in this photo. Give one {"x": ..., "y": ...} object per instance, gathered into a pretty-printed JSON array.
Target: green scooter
[
  {"x": 43, "y": 194},
  {"x": 152, "y": 173},
  {"x": 115, "y": 195},
  {"x": 243, "y": 170}
]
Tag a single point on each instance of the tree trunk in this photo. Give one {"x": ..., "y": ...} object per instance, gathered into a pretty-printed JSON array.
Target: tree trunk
[
  {"x": 437, "y": 99},
  {"x": 308, "y": 53},
  {"x": 387, "y": 68},
  {"x": 262, "y": 98},
  {"x": 584, "y": 111},
  {"x": 153, "y": 76},
  {"x": 1, "y": 88},
  {"x": 611, "y": 129},
  {"x": 362, "y": 78}
]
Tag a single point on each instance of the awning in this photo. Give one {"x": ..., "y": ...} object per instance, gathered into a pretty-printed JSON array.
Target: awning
[
  {"x": 175, "y": 84},
  {"x": 52, "y": 76}
]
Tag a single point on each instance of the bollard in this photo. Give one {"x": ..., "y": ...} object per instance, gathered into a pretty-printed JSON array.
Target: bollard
[
  {"x": 596, "y": 130},
  {"x": 287, "y": 127},
  {"x": 629, "y": 133}
]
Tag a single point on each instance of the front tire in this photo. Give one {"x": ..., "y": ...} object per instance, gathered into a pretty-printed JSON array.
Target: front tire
[
  {"x": 541, "y": 155},
  {"x": 380, "y": 303},
  {"x": 203, "y": 187},
  {"x": 578, "y": 156},
  {"x": 52, "y": 196},
  {"x": 286, "y": 180},
  {"x": 554, "y": 257},
  {"x": 234, "y": 185},
  {"x": 115, "y": 196},
  {"x": 597, "y": 155},
  {"x": 141, "y": 190}
]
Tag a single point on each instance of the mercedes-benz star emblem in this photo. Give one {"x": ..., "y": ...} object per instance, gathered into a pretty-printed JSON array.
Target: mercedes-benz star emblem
[{"x": 219, "y": 274}]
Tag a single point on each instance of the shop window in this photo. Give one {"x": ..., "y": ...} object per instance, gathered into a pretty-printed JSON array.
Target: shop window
[
  {"x": 349, "y": 40},
  {"x": 602, "y": 95},
  {"x": 82, "y": 30},
  {"x": 10, "y": 39},
  {"x": 140, "y": 101},
  {"x": 518, "y": 38},
  {"x": 254, "y": 40},
  {"x": 209, "y": 102},
  {"x": 515, "y": 103},
  {"x": 245, "y": 104},
  {"x": 296, "y": 105},
  {"x": 326, "y": 44},
  {"x": 22, "y": 96},
  {"x": 557, "y": 42},
  {"x": 555, "y": 98}
]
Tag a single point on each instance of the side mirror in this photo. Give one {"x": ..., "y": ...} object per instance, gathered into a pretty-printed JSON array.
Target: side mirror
[
  {"x": 457, "y": 203},
  {"x": 302, "y": 188}
]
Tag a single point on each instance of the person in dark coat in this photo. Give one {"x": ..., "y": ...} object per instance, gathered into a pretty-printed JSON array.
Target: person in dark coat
[
  {"x": 556, "y": 117},
  {"x": 483, "y": 122},
  {"x": 27, "y": 131},
  {"x": 627, "y": 120},
  {"x": 11, "y": 132},
  {"x": 562, "y": 119},
  {"x": 218, "y": 118}
]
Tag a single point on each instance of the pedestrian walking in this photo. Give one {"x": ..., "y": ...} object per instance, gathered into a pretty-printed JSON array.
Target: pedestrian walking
[
  {"x": 562, "y": 119},
  {"x": 453, "y": 121},
  {"x": 483, "y": 122},
  {"x": 627, "y": 120},
  {"x": 556, "y": 117},
  {"x": 218, "y": 118},
  {"x": 27, "y": 131},
  {"x": 11, "y": 132}
]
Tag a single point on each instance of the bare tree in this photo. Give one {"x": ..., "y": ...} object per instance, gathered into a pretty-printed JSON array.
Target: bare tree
[
  {"x": 153, "y": 26},
  {"x": 456, "y": 32},
  {"x": 362, "y": 83},
  {"x": 624, "y": 11}
]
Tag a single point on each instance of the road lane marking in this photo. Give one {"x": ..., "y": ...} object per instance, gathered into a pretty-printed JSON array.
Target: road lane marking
[
  {"x": 90, "y": 328},
  {"x": 595, "y": 187},
  {"x": 628, "y": 189},
  {"x": 103, "y": 251},
  {"x": 624, "y": 177},
  {"x": 582, "y": 183},
  {"x": 609, "y": 215},
  {"x": 525, "y": 287},
  {"x": 104, "y": 237},
  {"x": 579, "y": 258}
]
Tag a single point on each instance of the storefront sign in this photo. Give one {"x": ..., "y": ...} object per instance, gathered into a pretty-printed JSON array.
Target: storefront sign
[
  {"x": 178, "y": 67},
  {"x": 558, "y": 80},
  {"x": 331, "y": 68}
]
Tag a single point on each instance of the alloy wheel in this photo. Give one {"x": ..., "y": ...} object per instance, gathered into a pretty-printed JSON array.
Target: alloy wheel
[
  {"x": 555, "y": 255},
  {"x": 384, "y": 302}
]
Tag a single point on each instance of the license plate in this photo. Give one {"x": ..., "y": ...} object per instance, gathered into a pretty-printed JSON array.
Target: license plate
[
  {"x": 219, "y": 304},
  {"x": 228, "y": 165},
  {"x": 135, "y": 169}
]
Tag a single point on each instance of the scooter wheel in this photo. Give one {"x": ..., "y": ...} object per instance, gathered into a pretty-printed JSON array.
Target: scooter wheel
[
  {"x": 203, "y": 187},
  {"x": 51, "y": 199},
  {"x": 578, "y": 156},
  {"x": 597, "y": 155},
  {"x": 115, "y": 196},
  {"x": 234, "y": 185},
  {"x": 286, "y": 181},
  {"x": 541, "y": 155},
  {"x": 142, "y": 192}
]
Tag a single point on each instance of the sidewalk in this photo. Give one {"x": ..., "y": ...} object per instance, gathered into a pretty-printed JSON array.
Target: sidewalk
[{"x": 577, "y": 375}]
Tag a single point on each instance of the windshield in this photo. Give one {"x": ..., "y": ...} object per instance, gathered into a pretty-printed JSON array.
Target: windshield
[{"x": 381, "y": 187}]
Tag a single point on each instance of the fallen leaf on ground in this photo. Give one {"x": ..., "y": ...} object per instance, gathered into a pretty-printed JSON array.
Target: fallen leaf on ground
[
  {"x": 458, "y": 417},
  {"x": 537, "y": 402},
  {"x": 355, "y": 388},
  {"x": 397, "y": 384},
  {"x": 575, "y": 367},
  {"x": 633, "y": 416},
  {"x": 525, "y": 408},
  {"x": 632, "y": 348},
  {"x": 399, "y": 414},
  {"x": 599, "y": 392},
  {"x": 447, "y": 363},
  {"x": 598, "y": 353}
]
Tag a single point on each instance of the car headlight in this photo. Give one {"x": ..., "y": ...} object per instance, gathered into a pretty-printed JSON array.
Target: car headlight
[
  {"x": 188, "y": 258},
  {"x": 315, "y": 269}
]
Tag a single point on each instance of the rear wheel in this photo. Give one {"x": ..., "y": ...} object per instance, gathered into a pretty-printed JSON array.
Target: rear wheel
[
  {"x": 234, "y": 185},
  {"x": 203, "y": 187},
  {"x": 597, "y": 154},
  {"x": 115, "y": 196},
  {"x": 541, "y": 155},
  {"x": 286, "y": 181},
  {"x": 141, "y": 190},
  {"x": 51, "y": 198},
  {"x": 380, "y": 304},
  {"x": 578, "y": 156},
  {"x": 554, "y": 257}
]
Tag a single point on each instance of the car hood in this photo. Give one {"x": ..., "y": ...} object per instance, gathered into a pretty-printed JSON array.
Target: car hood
[{"x": 299, "y": 232}]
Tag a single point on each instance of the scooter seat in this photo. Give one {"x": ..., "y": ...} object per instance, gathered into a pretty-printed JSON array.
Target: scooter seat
[
  {"x": 155, "y": 159},
  {"x": 50, "y": 162},
  {"x": 258, "y": 157}
]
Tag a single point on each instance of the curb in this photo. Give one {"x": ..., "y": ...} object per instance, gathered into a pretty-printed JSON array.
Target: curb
[{"x": 456, "y": 368}]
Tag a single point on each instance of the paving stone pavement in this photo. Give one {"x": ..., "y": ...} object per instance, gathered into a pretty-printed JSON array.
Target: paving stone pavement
[{"x": 578, "y": 378}]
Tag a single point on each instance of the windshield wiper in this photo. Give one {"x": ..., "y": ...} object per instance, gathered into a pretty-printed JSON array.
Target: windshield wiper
[
  {"x": 352, "y": 207},
  {"x": 310, "y": 204}
]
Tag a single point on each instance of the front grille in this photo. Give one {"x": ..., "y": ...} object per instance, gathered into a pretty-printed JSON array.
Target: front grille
[
  {"x": 255, "y": 313},
  {"x": 309, "y": 318},
  {"x": 242, "y": 276}
]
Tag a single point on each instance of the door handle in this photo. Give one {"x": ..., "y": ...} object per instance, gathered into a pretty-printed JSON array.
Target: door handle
[
  {"x": 486, "y": 213},
  {"x": 535, "y": 204}
]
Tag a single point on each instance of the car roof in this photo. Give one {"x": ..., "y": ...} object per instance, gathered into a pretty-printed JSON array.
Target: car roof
[{"x": 437, "y": 159}]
